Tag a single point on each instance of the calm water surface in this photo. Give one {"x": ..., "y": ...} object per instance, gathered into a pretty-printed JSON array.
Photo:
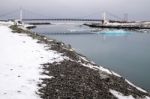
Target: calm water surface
[{"x": 125, "y": 52}]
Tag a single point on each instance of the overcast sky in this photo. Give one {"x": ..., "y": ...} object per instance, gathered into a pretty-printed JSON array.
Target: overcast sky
[{"x": 136, "y": 9}]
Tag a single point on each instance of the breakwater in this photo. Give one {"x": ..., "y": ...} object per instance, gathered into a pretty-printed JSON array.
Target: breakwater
[{"x": 120, "y": 25}]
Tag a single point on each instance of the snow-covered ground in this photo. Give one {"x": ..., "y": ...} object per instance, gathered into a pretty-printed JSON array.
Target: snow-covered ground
[
  {"x": 8, "y": 23},
  {"x": 20, "y": 59}
]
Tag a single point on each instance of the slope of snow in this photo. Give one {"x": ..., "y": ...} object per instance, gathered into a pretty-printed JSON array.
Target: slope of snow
[{"x": 20, "y": 64}]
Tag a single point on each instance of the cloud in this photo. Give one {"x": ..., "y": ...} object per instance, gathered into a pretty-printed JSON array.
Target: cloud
[{"x": 137, "y": 9}]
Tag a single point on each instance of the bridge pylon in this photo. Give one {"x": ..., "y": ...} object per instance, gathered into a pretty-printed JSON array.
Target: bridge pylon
[
  {"x": 21, "y": 15},
  {"x": 104, "y": 21}
]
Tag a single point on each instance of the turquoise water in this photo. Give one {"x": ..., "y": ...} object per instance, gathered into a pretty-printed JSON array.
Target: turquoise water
[{"x": 125, "y": 52}]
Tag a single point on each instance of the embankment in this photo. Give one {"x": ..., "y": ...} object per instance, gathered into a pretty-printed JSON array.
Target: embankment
[{"x": 76, "y": 77}]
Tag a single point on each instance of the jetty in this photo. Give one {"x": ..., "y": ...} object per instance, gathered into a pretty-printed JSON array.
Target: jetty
[{"x": 122, "y": 24}]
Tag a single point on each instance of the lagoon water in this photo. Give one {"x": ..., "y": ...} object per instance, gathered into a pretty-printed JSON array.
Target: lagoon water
[{"x": 125, "y": 52}]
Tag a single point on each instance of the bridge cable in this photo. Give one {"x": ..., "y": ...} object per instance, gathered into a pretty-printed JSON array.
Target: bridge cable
[
  {"x": 114, "y": 16},
  {"x": 9, "y": 13},
  {"x": 34, "y": 13}
]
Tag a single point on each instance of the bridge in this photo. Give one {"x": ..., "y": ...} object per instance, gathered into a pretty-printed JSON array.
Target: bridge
[
  {"x": 62, "y": 19},
  {"x": 105, "y": 20},
  {"x": 22, "y": 13}
]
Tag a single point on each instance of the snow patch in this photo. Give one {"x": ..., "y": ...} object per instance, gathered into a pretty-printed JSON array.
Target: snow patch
[
  {"x": 20, "y": 59},
  {"x": 147, "y": 97},
  {"x": 138, "y": 88},
  {"x": 98, "y": 68},
  {"x": 101, "y": 69},
  {"x": 8, "y": 23},
  {"x": 84, "y": 58},
  {"x": 120, "y": 95},
  {"x": 114, "y": 73}
]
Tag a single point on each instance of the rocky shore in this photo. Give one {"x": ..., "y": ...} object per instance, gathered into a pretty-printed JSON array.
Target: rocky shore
[{"x": 76, "y": 77}]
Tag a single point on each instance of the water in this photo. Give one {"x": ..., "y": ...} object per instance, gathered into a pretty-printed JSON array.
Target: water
[{"x": 125, "y": 52}]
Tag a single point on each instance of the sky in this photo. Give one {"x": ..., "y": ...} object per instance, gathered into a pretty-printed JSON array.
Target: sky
[{"x": 136, "y": 9}]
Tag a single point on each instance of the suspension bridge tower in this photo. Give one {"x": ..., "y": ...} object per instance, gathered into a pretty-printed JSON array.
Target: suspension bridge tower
[
  {"x": 20, "y": 18},
  {"x": 104, "y": 21}
]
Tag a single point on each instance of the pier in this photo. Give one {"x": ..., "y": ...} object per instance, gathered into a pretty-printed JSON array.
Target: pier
[
  {"x": 124, "y": 24},
  {"x": 118, "y": 26}
]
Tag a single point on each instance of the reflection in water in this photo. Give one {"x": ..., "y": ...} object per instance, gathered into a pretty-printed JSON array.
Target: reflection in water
[{"x": 126, "y": 52}]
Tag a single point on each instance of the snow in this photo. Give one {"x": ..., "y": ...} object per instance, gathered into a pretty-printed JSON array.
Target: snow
[
  {"x": 20, "y": 64},
  {"x": 114, "y": 73},
  {"x": 120, "y": 95},
  {"x": 138, "y": 88},
  {"x": 89, "y": 65},
  {"x": 99, "y": 68},
  {"x": 84, "y": 58},
  {"x": 110, "y": 72},
  {"x": 8, "y": 23},
  {"x": 123, "y": 24},
  {"x": 147, "y": 97}
]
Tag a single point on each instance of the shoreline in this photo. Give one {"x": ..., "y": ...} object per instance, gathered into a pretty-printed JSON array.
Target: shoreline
[{"x": 76, "y": 77}]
